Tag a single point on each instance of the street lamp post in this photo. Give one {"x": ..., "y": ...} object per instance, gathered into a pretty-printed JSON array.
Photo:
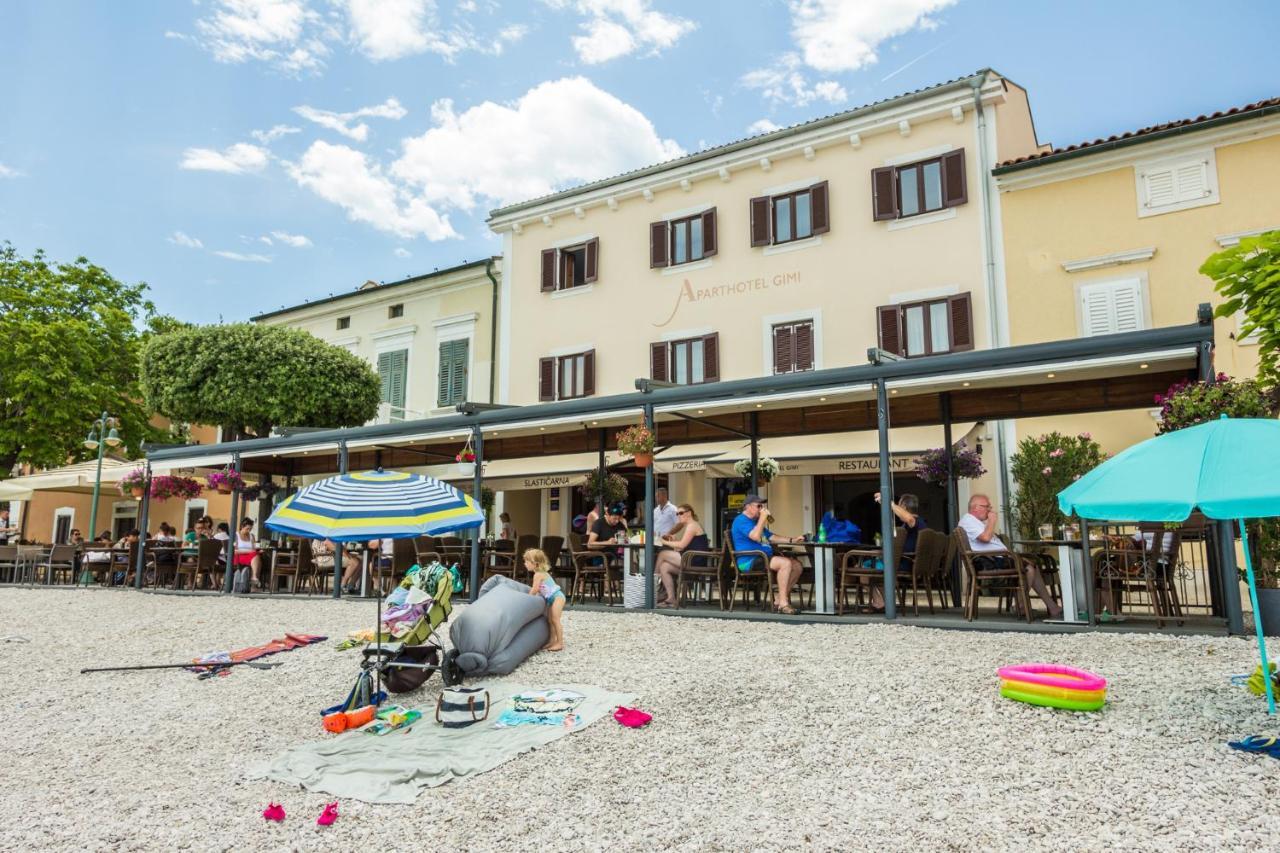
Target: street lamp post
[{"x": 102, "y": 434}]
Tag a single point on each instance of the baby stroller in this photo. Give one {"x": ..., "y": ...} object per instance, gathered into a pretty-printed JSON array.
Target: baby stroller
[{"x": 406, "y": 653}]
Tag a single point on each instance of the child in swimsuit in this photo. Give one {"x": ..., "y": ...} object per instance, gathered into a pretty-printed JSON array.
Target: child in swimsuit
[{"x": 544, "y": 585}]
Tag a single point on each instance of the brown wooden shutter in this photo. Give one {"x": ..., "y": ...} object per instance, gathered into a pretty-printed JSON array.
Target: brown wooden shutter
[
  {"x": 884, "y": 198},
  {"x": 711, "y": 357},
  {"x": 802, "y": 345},
  {"x": 960, "y": 309},
  {"x": 819, "y": 215},
  {"x": 761, "y": 227},
  {"x": 589, "y": 373},
  {"x": 548, "y": 270},
  {"x": 783, "y": 349},
  {"x": 889, "y": 319},
  {"x": 593, "y": 260},
  {"x": 709, "y": 233},
  {"x": 546, "y": 379},
  {"x": 954, "y": 191},
  {"x": 658, "y": 361},
  {"x": 658, "y": 245}
]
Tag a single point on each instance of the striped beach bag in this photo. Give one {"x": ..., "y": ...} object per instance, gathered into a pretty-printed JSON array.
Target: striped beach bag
[{"x": 459, "y": 707}]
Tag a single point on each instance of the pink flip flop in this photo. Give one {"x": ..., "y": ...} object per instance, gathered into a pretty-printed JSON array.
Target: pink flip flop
[
  {"x": 273, "y": 811},
  {"x": 632, "y": 718},
  {"x": 329, "y": 815}
]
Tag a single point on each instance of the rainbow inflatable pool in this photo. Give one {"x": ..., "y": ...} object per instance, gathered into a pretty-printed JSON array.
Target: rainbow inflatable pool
[{"x": 1053, "y": 686}]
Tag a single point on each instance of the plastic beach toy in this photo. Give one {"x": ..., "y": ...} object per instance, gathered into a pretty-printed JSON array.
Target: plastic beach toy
[{"x": 1053, "y": 686}]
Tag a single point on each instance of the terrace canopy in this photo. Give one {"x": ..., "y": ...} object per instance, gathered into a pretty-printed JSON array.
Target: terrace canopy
[{"x": 1104, "y": 373}]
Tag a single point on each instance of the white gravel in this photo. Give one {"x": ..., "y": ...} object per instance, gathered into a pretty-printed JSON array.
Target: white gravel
[{"x": 765, "y": 736}]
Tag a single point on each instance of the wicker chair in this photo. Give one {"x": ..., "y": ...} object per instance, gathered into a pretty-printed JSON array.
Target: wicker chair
[
  {"x": 929, "y": 569},
  {"x": 757, "y": 579},
  {"x": 1012, "y": 575},
  {"x": 855, "y": 576},
  {"x": 705, "y": 566},
  {"x": 596, "y": 568}
]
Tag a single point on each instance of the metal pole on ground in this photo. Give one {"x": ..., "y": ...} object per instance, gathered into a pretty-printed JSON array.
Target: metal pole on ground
[
  {"x": 886, "y": 498},
  {"x": 144, "y": 517},
  {"x": 477, "y": 444},
  {"x": 1086, "y": 563},
  {"x": 603, "y": 437},
  {"x": 648, "y": 508},
  {"x": 339, "y": 548},
  {"x": 1228, "y": 577},
  {"x": 229, "y": 574}
]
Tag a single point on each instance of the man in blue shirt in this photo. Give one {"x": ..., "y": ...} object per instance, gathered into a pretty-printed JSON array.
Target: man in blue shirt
[{"x": 749, "y": 533}]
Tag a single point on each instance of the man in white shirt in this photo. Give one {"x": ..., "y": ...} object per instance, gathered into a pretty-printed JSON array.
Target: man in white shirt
[
  {"x": 664, "y": 515},
  {"x": 979, "y": 526}
]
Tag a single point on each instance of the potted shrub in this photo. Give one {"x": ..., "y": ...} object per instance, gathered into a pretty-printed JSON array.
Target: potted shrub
[
  {"x": 637, "y": 441},
  {"x": 1043, "y": 466},
  {"x": 965, "y": 465},
  {"x": 766, "y": 468},
  {"x": 133, "y": 483},
  {"x": 225, "y": 481},
  {"x": 606, "y": 487},
  {"x": 165, "y": 487}
]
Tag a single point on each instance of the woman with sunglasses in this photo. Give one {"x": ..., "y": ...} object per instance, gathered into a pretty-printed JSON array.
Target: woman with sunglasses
[{"x": 687, "y": 535}]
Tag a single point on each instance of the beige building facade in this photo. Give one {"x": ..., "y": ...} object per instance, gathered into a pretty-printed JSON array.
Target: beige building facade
[
  {"x": 1109, "y": 237},
  {"x": 795, "y": 250}
]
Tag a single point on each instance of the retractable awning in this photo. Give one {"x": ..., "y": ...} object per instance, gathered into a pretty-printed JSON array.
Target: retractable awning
[{"x": 845, "y": 453}]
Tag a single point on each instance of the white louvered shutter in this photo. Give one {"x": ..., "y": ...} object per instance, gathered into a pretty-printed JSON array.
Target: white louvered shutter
[
  {"x": 1111, "y": 307},
  {"x": 1160, "y": 187},
  {"x": 1192, "y": 180}
]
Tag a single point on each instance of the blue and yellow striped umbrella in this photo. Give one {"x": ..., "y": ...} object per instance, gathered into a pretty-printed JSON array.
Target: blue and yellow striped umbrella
[{"x": 375, "y": 505}]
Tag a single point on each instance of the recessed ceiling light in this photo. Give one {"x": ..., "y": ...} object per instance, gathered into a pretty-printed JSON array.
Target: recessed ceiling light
[
  {"x": 759, "y": 405},
  {"x": 1050, "y": 375},
  {"x": 966, "y": 384},
  {"x": 822, "y": 399},
  {"x": 593, "y": 423},
  {"x": 1143, "y": 366},
  {"x": 699, "y": 411},
  {"x": 893, "y": 390}
]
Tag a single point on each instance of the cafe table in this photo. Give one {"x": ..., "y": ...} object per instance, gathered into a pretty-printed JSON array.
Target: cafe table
[{"x": 824, "y": 556}]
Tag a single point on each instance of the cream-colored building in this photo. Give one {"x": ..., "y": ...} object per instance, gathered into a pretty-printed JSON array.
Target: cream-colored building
[
  {"x": 794, "y": 250},
  {"x": 430, "y": 337},
  {"x": 1108, "y": 236}
]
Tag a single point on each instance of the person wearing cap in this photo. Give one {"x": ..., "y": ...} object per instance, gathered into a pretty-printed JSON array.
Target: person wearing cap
[
  {"x": 749, "y": 533},
  {"x": 606, "y": 529}
]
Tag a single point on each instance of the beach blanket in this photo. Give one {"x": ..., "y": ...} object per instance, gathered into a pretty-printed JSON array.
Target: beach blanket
[
  {"x": 396, "y": 768},
  {"x": 287, "y": 643}
]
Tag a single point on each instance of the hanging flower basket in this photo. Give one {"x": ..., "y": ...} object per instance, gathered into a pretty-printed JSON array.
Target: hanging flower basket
[
  {"x": 637, "y": 441},
  {"x": 609, "y": 488},
  {"x": 134, "y": 483},
  {"x": 165, "y": 487},
  {"x": 931, "y": 466},
  {"x": 766, "y": 468},
  {"x": 225, "y": 481}
]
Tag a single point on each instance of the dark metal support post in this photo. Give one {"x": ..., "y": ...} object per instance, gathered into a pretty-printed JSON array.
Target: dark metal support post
[
  {"x": 339, "y": 548},
  {"x": 886, "y": 498},
  {"x": 649, "y": 489},
  {"x": 228, "y": 574},
  {"x": 477, "y": 489},
  {"x": 143, "y": 520},
  {"x": 953, "y": 499},
  {"x": 603, "y": 437},
  {"x": 1229, "y": 576},
  {"x": 1086, "y": 561},
  {"x": 754, "y": 420}
]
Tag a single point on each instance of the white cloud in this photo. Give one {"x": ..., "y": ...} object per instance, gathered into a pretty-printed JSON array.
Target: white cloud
[
  {"x": 559, "y": 133},
  {"x": 785, "y": 82},
  {"x": 341, "y": 122},
  {"x": 266, "y": 137},
  {"x": 297, "y": 241},
  {"x": 762, "y": 126},
  {"x": 8, "y": 172},
  {"x": 402, "y": 252},
  {"x": 834, "y": 35},
  {"x": 616, "y": 28},
  {"x": 347, "y": 178},
  {"x": 234, "y": 159},
  {"x": 180, "y": 239},
  {"x": 285, "y": 33},
  {"x": 391, "y": 29},
  {"x": 237, "y": 256}
]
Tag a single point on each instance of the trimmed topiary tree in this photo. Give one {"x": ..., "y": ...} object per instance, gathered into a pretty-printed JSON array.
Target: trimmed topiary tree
[{"x": 249, "y": 378}]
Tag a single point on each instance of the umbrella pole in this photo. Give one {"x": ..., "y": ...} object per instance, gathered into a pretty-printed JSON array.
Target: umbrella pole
[
  {"x": 1257, "y": 618},
  {"x": 377, "y": 594}
]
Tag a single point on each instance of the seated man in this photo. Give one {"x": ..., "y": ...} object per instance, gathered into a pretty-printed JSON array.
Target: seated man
[
  {"x": 979, "y": 526},
  {"x": 606, "y": 529},
  {"x": 749, "y": 533}
]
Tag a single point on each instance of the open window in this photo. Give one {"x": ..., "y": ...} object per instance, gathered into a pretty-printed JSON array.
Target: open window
[
  {"x": 926, "y": 186},
  {"x": 932, "y": 327},
  {"x": 690, "y": 361},
  {"x": 567, "y": 267}
]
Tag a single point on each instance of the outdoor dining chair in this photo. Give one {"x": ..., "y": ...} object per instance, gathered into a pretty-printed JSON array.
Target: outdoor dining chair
[
  {"x": 553, "y": 546},
  {"x": 502, "y": 559},
  {"x": 758, "y": 579},
  {"x": 929, "y": 569},
  {"x": 208, "y": 562},
  {"x": 60, "y": 559},
  {"x": 1012, "y": 576},
  {"x": 188, "y": 564},
  {"x": 524, "y": 543},
  {"x": 284, "y": 565},
  {"x": 9, "y": 562},
  {"x": 698, "y": 567},
  {"x": 595, "y": 568},
  {"x": 856, "y": 576}
]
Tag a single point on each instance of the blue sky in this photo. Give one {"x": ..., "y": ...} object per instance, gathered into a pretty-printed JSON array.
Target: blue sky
[{"x": 241, "y": 155}]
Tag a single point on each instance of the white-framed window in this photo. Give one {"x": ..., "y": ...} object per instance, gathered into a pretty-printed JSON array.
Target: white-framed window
[
  {"x": 394, "y": 348},
  {"x": 193, "y": 511},
  {"x": 64, "y": 521},
  {"x": 1115, "y": 305},
  {"x": 1177, "y": 183},
  {"x": 124, "y": 517},
  {"x": 791, "y": 341}
]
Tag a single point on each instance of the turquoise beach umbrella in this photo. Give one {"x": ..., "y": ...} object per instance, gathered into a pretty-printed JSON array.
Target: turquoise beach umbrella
[{"x": 1227, "y": 469}]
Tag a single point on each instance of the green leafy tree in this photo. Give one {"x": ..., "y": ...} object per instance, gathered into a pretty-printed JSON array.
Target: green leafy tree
[
  {"x": 1248, "y": 275},
  {"x": 71, "y": 341},
  {"x": 1044, "y": 466},
  {"x": 249, "y": 378}
]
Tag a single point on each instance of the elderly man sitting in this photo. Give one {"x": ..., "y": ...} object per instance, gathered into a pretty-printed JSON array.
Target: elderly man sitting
[{"x": 979, "y": 526}]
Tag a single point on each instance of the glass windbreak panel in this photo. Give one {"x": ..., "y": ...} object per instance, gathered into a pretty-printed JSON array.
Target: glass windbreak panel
[
  {"x": 933, "y": 186},
  {"x": 695, "y": 239},
  {"x": 804, "y": 225},
  {"x": 782, "y": 220},
  {"x": 680, "y": 360},
  {"x": 908, "y": 192},
  {"x": 914, "y": 321},
  {"x": 697, "y": 371},
  {"x": 939, "y": 339},
  {"x": 680, "y": 251}
]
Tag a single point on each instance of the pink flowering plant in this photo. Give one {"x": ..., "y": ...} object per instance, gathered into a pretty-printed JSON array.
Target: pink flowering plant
[
  {"x": 225, "y": 477},
  {"x": 965, "y": 464},
  {"x": 1043, "y": 466},
  {"x": 164, "y": 487},
  {"x": 1189, "y": 403},
  {"x": 637, "y": 438},
  {"x": 135, "y": 479}
]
